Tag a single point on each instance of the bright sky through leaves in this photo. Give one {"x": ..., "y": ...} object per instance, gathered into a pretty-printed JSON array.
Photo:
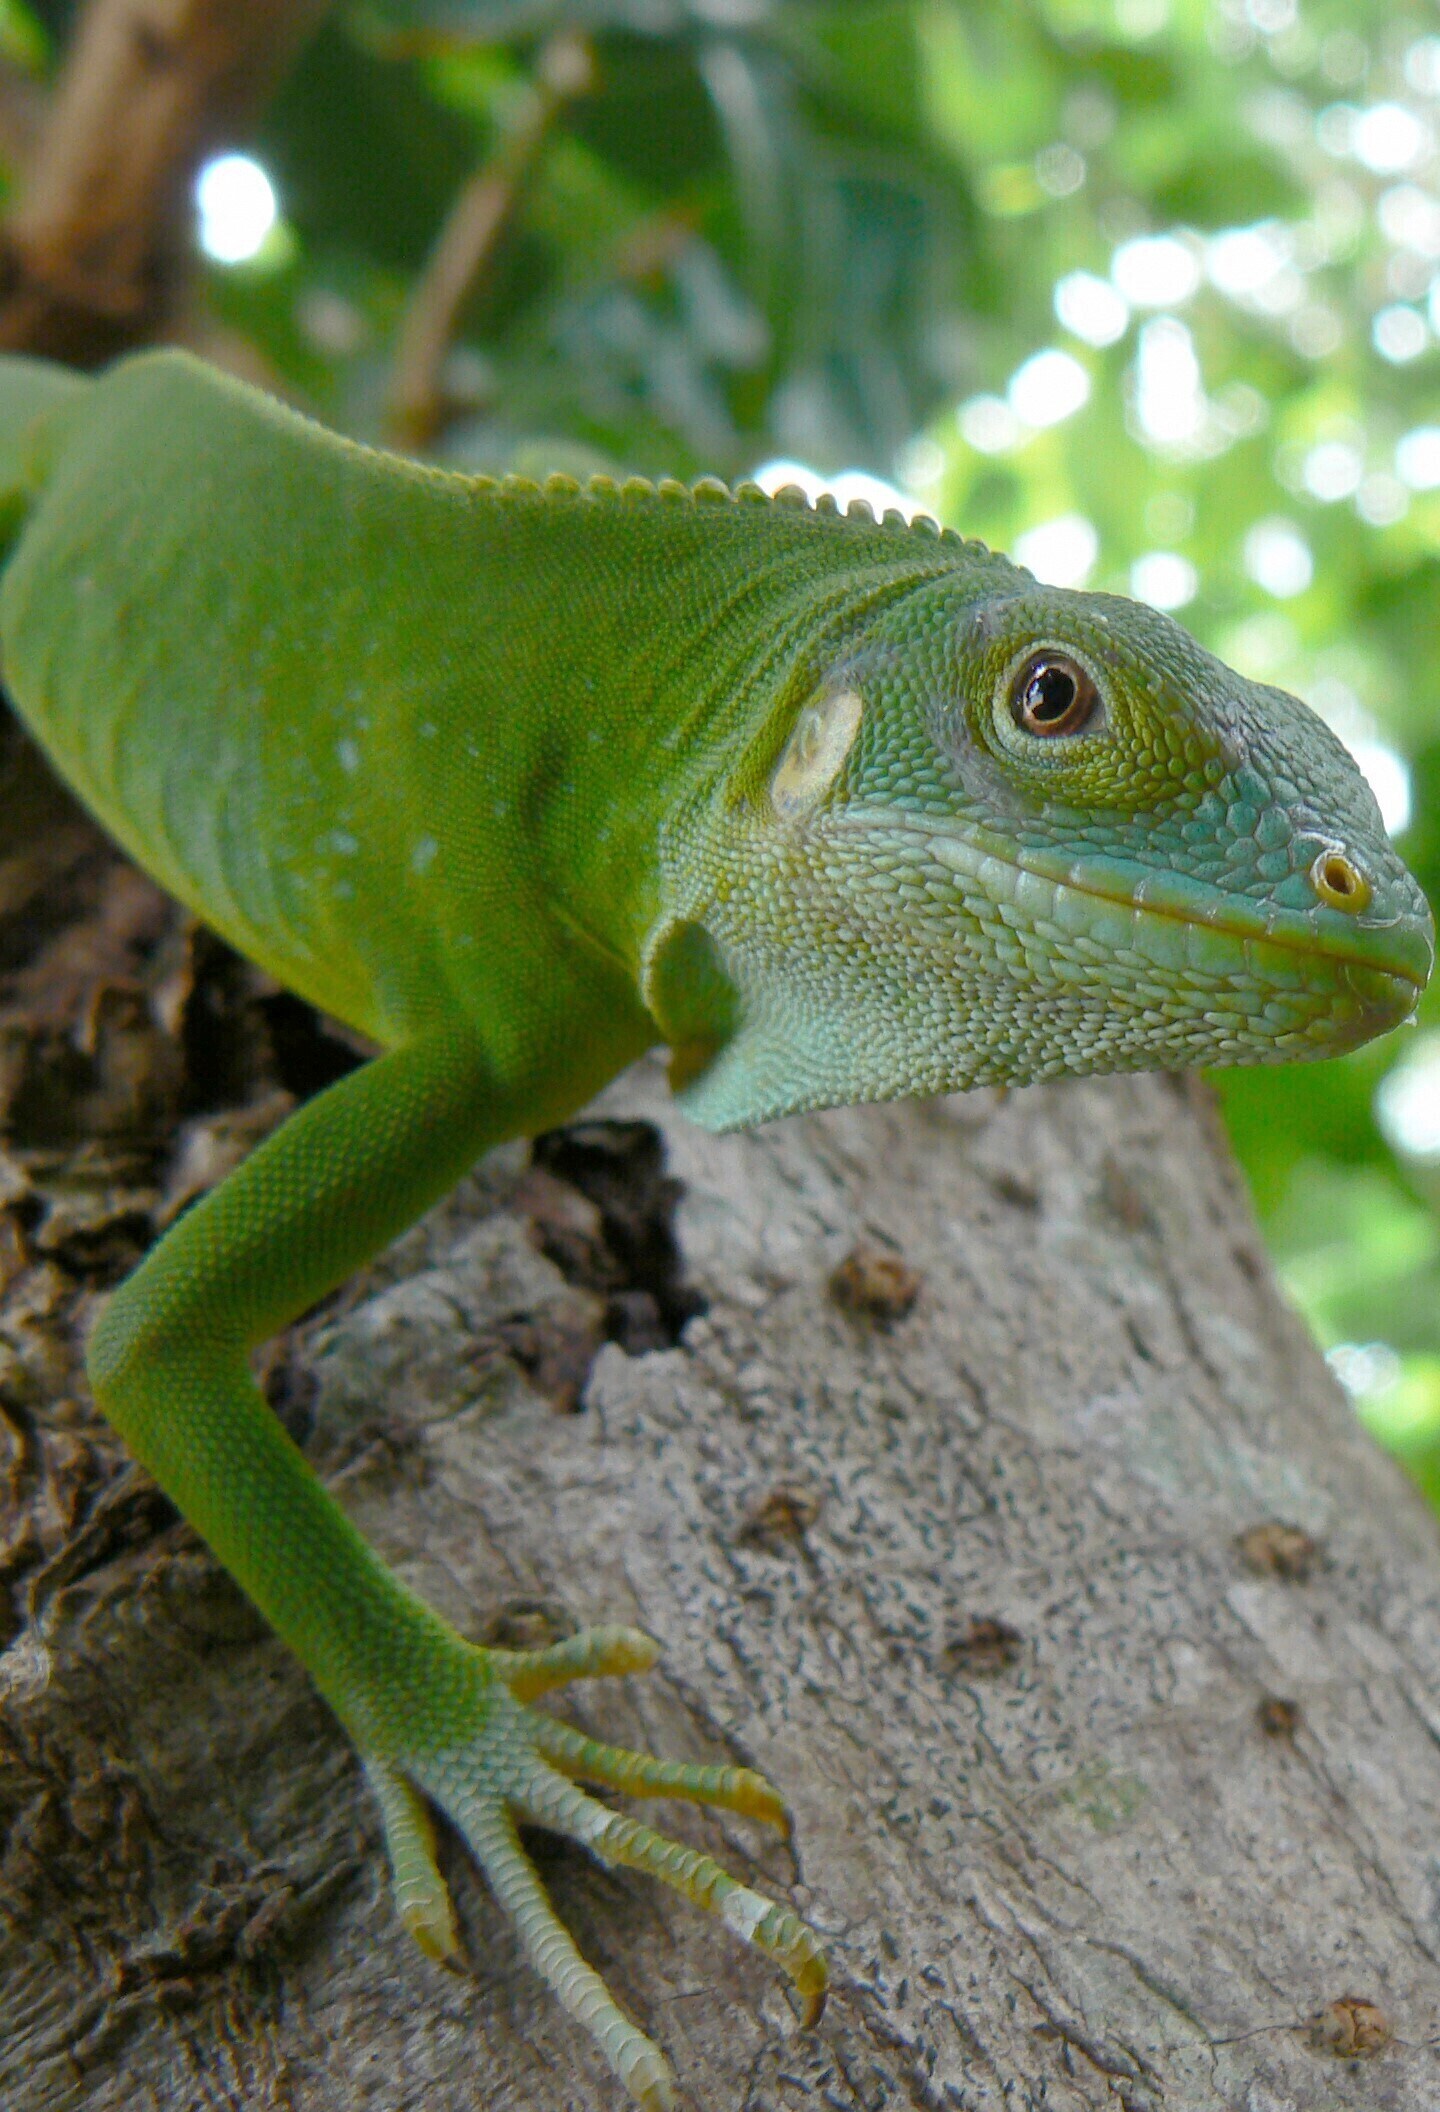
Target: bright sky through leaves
[
  {"x": 236, "y": 207},
  {"x": 1090, "y": 308},
  {"x": 1061, "y": 552},
  {"x": 1408, "y": 1101}
]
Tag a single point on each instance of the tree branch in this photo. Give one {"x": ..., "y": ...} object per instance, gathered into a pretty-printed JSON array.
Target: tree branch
[
  {"x": 1095, "y": 1645},
  {"x": 23, "y": 105},
  {"x": 92, "y": 253},
  {"x": 468, "y": 240}
]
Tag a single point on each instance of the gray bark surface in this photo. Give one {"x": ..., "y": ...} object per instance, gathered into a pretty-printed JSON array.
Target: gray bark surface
[{"x": 1103, "y": 1798}]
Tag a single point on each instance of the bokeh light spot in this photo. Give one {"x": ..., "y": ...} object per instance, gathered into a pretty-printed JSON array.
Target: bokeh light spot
[
  {"x": 1164, "y": 579},
  {"x": 1388, "y": 137},
  {"x": 1091, "y": 309},
  {"x": 847, "y": 485},
  {"x": 1332, "y": 470},
  {"x": 1399, "y": 333},
  {"x": 1169, "y": 399},
  {"x": 237, "y": 207},
  {"x": 1407, "y": 1101},
  {"x": 1417, "y": 458},
  {"x": 1277, "y": 557},
  {"x": 1049, "y": 387},
  {"x": 988, "y": 424},
  {"x": 1062, "y": 552},
  {"x": 1155, "y": 271},
  {"x": 1387, "y": 773}
]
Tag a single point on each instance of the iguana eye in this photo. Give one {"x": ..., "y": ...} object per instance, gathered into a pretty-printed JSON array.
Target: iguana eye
[{"x": 1052, "y": 695}]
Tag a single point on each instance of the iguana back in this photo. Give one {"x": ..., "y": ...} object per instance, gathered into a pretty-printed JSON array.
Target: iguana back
[{"x": 382, "y": 726}]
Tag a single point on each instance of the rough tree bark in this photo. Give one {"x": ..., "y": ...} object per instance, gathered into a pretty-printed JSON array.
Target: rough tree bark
[{"x": 1097, "y": 1648}]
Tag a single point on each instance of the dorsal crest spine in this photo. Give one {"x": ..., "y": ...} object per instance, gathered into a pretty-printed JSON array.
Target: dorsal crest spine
[{"x": 708, "y": 492}]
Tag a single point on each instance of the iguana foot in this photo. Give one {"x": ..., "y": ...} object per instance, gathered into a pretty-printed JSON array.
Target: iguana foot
[{"x": 516, "y": 1764}]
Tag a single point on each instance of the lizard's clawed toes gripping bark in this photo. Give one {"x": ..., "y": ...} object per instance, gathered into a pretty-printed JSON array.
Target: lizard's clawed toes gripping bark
[{"x": 509, "y": 1763}]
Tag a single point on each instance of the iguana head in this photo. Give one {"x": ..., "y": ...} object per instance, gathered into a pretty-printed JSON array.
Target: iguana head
[{"x": 1024, "y": 832}]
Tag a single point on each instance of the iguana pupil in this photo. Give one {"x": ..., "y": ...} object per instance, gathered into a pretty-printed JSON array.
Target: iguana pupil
[{"x": 1054, "y": 695}]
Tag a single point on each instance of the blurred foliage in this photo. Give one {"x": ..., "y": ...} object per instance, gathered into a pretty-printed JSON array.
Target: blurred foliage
[{"x": 1145, "y": 287}]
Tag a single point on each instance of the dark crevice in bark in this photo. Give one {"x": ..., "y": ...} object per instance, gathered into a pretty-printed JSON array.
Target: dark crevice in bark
[{"x": 636, "y": 1264}]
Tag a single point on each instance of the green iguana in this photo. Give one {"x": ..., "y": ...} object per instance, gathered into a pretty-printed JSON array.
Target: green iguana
[{"x": 521, "y": 780}]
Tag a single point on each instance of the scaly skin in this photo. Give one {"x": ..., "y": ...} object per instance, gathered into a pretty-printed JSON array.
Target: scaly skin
[{"x": 522, "y": 781}]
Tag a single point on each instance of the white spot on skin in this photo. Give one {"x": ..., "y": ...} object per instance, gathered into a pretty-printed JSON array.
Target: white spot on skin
[
  {"x": 815, "y": 752},
  {"x": 422, "y": 857},
  {"x": 743, "y": 1911},
  {"x": 343, "y": 843},
  {"x": 347, "y": 754}
]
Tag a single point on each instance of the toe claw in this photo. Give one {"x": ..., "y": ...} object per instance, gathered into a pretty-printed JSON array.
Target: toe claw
[
  {"x": 649, "y": 2078},
  {"x": 643, "y": 1775},
  {"x": 435, "y": 1933},
  {"x": 592, "y": 1653},
  {"x": 616, "y": 1838},
  {"x": 638, "y": 2062},
  {"x": 422, "y": 1896},
  {"x": 783, "y": 1936}
]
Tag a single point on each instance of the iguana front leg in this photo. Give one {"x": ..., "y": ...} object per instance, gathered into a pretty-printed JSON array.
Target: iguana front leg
[{"x": 434, "y": 1716}]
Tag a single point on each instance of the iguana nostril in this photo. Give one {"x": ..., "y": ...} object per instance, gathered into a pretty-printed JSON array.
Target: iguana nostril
[{"x": 1340, "y": 882}]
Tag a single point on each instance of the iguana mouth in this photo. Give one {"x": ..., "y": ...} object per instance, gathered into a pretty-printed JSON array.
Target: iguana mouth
[
  {"x": 1402, "y": 949},
  {"x": 1386, "y": 999}
]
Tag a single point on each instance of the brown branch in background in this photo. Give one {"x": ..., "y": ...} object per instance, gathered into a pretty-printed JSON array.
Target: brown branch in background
[
  {"x": 94, "y": 258},
  {"x": 23, "y": 103},
  {"x": 418, "y": 403},
  {"x": 92, "y": 253}
]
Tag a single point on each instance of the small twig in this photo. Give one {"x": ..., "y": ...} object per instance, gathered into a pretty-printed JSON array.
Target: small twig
[{"x": 467, "y": 242}]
